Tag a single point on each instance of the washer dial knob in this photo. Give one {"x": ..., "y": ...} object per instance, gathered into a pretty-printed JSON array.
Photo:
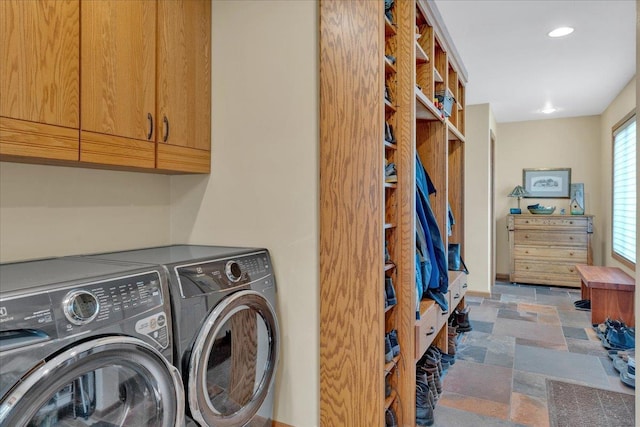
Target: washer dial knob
[
  {"x": 81, "y": 307},
  {"x": 233, "y": 271}
]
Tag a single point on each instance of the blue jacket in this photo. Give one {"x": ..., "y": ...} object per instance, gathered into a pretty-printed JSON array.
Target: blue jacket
[{"x": 438, "y": 280}]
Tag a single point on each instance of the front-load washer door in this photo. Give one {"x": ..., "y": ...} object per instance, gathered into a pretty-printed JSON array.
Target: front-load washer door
[
  {"x": 233, "y": 361},
  {"x": 110, "y": 381}
]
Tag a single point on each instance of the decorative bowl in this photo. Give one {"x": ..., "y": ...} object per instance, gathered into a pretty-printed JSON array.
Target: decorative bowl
[{"x": 542, "y": 210}]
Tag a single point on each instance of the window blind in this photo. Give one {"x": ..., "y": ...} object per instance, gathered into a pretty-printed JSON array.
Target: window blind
[{"x": 624, "y": 190}]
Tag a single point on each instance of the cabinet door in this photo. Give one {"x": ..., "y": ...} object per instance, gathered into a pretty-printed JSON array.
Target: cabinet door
[
  {"x": 184, "y": 85},
  {"x": 39, "y": 87},
  {"x": 118, "y": 82}
]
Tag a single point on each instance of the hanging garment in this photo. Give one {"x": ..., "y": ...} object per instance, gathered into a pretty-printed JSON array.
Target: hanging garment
[{"x": 439, "y": 260}]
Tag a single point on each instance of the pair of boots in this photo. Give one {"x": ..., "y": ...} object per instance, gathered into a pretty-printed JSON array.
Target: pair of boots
[{"x": 462, "y": 319}]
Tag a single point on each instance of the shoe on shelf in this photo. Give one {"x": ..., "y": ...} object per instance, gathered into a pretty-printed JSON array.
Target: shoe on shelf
[
  {"x": 389, "y": 136},
  {"x": 387, "y": 386},
  {"x": 393, "y": 339},
  {"x": 390, "y": 418},
  {"x": 388, "y": 350},
  {"x": 391, "y": 58},
  {"x": 390, "y": 173},
  {"x": 390, "y": 292}
]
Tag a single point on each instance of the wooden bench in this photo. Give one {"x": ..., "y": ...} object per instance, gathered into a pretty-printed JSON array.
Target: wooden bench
[{"x": 611, "y": 291}]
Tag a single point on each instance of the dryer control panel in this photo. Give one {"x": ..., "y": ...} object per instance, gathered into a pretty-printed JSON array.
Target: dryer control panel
[{"x": 207, "y": 277}]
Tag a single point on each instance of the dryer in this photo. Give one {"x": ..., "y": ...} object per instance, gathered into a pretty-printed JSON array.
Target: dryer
[
  {"x": 86, "y": 344},
  {"x": 225, "y": 329}
]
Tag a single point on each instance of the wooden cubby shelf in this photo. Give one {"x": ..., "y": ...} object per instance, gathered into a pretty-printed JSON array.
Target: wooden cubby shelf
[{"x": 355, "y": 73}]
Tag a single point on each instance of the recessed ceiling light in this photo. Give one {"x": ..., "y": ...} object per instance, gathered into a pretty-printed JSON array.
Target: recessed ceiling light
[
  {"x": 548, "y": 110},
  {"x": 560, "y": 32}
]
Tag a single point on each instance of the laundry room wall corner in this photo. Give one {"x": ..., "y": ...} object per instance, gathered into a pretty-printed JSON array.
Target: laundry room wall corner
[{"x": 263, "y": 187}]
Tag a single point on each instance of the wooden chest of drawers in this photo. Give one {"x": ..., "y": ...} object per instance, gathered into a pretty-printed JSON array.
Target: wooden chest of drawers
[{"x": 544, "y": 249}]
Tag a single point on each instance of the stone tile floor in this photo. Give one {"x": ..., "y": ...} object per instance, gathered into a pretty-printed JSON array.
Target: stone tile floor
[{"x": 522, "y": 335}]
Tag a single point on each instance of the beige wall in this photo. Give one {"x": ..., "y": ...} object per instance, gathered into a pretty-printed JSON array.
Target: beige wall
[
  {"x": 623, "y": 104},
  {"x": 48, "y": 211},
  {"x": 263, "y": 187},
  {"x": 477, "y": 196},
  {"x": 556, "y": 143}
]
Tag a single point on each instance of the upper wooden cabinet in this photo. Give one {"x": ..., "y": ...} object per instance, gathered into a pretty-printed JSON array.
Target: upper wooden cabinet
[
  {"x": 115, "y": 83},
  {"x": 118, "y": 82},
  {"x": 183, "y": 127},
  {"x": 40, "y": 77}
]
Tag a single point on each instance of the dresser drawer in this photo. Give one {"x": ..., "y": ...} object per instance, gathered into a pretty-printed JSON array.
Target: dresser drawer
[
  {"x": 549, "y": 238},
  {"x": 537, "y": 278},
  {"x": 426, "y": 328},
  {"x": 455, "y": 294},
  {"x": 542, "y": 268},
  {"x": 578, "y": 224},
  {"x": 576, "y": 255},
  {"x": 443, "y": 316}
]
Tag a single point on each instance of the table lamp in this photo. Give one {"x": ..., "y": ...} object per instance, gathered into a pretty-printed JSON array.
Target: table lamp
[{"x": 518, "y": 192}]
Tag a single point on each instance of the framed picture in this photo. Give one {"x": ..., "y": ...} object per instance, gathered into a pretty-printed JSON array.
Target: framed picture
[{"x": 547, "y": 183}]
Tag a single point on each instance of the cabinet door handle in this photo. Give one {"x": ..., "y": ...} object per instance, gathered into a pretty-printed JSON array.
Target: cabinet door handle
[
  {"x": 431, "y": 331},
  {"x": 150, "y": 117},
  {"x": 166, "y": 126}
]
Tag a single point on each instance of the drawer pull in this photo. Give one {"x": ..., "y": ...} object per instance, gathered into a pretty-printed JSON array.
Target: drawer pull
[
  {"x": 465, "y": 286},
  {"x": 570, "y": 222},
  {"x": 456, "y": 296},
  {"x": 526, "y": 236},
  {"x": 431, "y": 331},
  {"x": 570, "y": 237},
  {"x": 570, "y": 253},
  {"x": 444, "y": 313},
  {"x": 571, "y": 270}
]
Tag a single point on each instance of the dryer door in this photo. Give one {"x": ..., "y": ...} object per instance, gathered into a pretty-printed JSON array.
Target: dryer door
[
  {"x": 233, "y": 361},
  {"x": 111, "y": 381}
]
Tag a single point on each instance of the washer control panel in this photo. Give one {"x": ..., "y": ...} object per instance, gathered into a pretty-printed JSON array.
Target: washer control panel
[
  {"x": 110, "y": 301},
  {"x": 220, "y": 275},
  {"x": 75, "y": 309}
]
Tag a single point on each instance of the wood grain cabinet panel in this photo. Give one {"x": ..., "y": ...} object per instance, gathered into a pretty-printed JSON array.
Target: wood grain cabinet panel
[
  {"x": 545, "y": 250},
  {"x": 39, "y": 87},
  {"x": 118, "y": 53},
  {"x": 184, "y": 86}
]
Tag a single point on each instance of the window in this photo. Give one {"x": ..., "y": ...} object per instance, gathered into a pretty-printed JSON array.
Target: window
[{"x": 624, "y": 191}]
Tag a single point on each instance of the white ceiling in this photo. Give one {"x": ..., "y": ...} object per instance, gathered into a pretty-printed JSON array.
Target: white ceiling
[{"x": 513, "y": 65}]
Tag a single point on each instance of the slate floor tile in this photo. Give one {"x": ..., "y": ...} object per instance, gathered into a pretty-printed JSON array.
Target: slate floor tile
[
  {"x": 576, "y": 333},
  {"x": 487, "y": 408},
  {"x": 560, "y": 364},
  {"x": 529, "y": 410},
  {"x": 452, "y": 416},
  {"x": 505, "y": 313},
  {"x": 529, "y": 330},
  {"x": 481, "y": 381},
  {"x": 530, "y": 384}
]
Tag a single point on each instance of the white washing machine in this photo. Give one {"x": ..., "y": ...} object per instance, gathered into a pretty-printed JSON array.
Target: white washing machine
[
  {"x": 225, "y": 329},
  {"x": 86, "y": 344}
]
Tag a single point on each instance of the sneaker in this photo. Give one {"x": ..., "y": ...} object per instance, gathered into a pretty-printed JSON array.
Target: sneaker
[
  {"x": 391, "y": 58},
  {"x": 387, "y": 387},
  {"x": 390, "y": 292},
  {"x": 628, "y": 377},
  {"x": 395, "y": 345}
]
